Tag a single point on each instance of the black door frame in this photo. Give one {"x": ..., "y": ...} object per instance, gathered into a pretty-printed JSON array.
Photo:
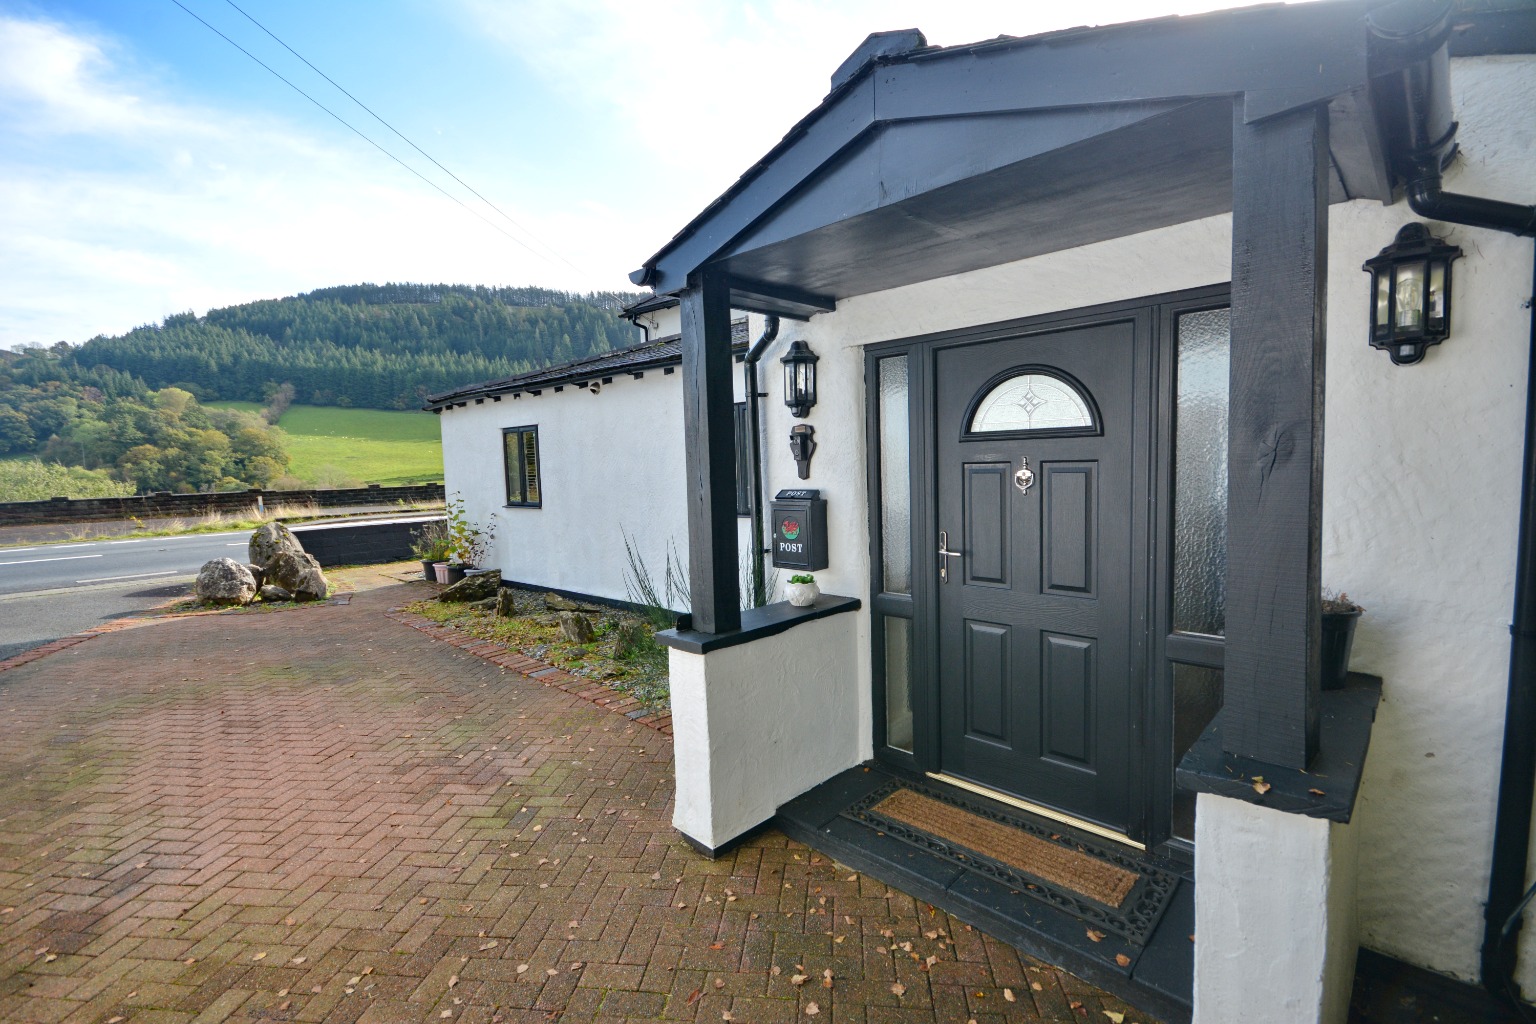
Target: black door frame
[{"x": 1151, "y": 689}]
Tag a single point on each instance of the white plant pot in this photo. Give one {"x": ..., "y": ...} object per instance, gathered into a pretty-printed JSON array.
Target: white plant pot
[{"x": 801, "y": 595}]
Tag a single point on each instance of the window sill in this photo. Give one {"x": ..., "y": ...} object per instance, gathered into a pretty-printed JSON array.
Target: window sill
[
  {"x": 757, "y": 624},
  {"x": 523, "y": 506},
  {"x": 1330, "y": 785}
]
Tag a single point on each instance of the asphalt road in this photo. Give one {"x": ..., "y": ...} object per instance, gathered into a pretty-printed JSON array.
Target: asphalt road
[{"x": 53, "y": 590}]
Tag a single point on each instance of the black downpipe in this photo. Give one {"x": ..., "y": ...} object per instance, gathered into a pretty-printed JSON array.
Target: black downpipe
[
  {"x": 755, "y": 430},
  {"x": 1426, "y": 97}
]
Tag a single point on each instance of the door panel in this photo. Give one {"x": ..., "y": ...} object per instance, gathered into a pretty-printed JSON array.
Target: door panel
[{"x": 1035, "y": 674}]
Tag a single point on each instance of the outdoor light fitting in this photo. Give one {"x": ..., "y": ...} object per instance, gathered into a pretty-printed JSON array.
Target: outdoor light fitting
[
  {"x": 800, "y": 379},
  {"x": 802, "y": 445},
  {"x": 1411, "y": 293}
]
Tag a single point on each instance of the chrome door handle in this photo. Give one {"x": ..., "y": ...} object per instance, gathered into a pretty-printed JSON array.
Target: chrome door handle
[{"x": 945, "y": 555}]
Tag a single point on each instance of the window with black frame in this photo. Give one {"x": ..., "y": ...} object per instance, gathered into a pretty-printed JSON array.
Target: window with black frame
[
  {"x": 1197, "y": 635},
  {"x": 520, "y": 451}
]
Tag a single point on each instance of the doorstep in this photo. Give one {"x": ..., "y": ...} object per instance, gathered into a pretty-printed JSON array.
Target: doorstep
[{"x": 1154, "y": 973}]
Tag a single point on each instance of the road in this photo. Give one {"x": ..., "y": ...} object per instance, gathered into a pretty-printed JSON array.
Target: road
[{"x": 53, "y": 590}]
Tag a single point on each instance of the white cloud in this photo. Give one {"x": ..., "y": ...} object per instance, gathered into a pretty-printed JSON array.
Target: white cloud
[{"x": 120, "y": 205}]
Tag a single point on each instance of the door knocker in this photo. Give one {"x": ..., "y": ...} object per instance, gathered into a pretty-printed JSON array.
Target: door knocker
[{"x": 1025, "y": 477}]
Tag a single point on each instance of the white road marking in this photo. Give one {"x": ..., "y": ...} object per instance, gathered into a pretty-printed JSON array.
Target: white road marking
[
  {"x": 66, "y": 558},
  {"x": 130, "y": 576},
  {"x": 17, "y": 551},
  {"x": 236, "y": 544}
]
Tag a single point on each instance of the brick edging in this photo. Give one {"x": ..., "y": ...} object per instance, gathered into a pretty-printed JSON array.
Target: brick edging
[
  {"x": 589, "y": 690},
  {"x": 62, "y": 643}
]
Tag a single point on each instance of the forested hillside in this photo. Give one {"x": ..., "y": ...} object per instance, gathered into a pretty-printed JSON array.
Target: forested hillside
[{"x": 376, "y": 346}]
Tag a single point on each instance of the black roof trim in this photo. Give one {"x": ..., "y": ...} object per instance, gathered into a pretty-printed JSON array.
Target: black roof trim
[
  {"x": 666, "y": 351},
  {"x": 647, "y": 305}
]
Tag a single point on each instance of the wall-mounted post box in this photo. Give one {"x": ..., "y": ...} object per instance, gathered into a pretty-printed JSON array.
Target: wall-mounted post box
[{"x": 799, "y": 521}]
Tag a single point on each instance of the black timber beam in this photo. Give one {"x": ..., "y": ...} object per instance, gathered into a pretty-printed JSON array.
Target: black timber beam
[
  {"x": 1280, "y": 176},
  {"x": 709, "y": 443},
  {"x": 778, "y": 299}
]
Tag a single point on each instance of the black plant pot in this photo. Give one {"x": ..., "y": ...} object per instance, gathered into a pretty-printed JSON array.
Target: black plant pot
[
  {"x": 455, "y": 572},
  {"x": 426, "y": 570},
  {"x": 1338, "y": 638}
]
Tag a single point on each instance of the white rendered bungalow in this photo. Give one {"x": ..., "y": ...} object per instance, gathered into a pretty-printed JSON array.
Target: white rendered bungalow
[{"x": 1102, "y": 400}]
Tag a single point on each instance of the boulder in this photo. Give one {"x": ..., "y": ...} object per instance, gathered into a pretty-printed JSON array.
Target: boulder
[
  {"x": 485, "y": 604},
  {"x": 271, "y": 540},
  {"x": 224, "y": 581},
  {"x": 506, "y": 602},
  {"x": 555, "y": 603},
  {"x": 259, "y": 573},
  {"x": 576, "y": 627},
  {"x": 299, "y": 574},
  {"x": 473, "y": 588},
  {"x": 271, "y": 593}
]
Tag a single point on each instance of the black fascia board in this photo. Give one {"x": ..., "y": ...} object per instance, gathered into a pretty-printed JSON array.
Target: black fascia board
[
  {"x": 557, "y": 375},
  {"x": 1282, "y": 56}
]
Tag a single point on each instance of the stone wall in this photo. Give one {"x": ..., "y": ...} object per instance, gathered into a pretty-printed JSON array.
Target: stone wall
[{"x": 144, "y": 506}]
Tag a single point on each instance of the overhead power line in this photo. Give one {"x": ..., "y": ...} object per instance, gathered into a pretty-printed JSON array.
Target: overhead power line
[
  {"x": 398, "y": 133},
  {"x": 358, "y": 132}
]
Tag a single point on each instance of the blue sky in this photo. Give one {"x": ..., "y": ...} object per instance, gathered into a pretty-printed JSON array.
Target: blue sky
[{"x": 147, "y": 167}]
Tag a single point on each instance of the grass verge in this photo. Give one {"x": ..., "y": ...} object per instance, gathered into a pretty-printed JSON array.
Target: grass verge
[{"x": 623, "y": 655}]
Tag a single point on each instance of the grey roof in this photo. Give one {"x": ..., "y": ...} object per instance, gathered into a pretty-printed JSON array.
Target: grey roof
[{"x": 648, "y": 355}]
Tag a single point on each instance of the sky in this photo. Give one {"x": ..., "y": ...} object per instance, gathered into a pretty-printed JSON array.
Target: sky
[{"x": 148, "y": 167}]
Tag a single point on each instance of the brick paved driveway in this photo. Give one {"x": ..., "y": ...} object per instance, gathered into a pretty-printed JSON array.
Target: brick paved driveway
[{"x": 324, "y": 815}]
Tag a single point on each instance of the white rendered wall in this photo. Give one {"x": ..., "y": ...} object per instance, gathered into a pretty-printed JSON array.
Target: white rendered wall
[
  {"x": 1274, "y": 916},
  {"x": 756, "y": 725},
  {"x": 1421, "y": 504},
  {"x": 612, "y": 465}
]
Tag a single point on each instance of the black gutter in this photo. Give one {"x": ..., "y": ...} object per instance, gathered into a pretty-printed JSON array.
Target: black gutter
[
  {"x": 1423, "y": 89},
  {"x": 754, "y": 422}
]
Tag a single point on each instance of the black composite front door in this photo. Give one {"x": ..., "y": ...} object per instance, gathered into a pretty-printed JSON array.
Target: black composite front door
[{"x": 1034, "y": 459}]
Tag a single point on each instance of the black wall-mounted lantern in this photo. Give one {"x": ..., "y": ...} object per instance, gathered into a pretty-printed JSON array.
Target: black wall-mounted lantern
[
  {"x": 1411, "y": 294},
  {"x": 800, "y": 379}
]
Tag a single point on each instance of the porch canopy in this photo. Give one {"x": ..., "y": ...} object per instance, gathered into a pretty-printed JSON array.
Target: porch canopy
[{"x": 923, "y": 162}]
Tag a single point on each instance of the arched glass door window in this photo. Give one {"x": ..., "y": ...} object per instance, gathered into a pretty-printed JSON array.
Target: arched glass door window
[{"x": 1032, "y": 401}]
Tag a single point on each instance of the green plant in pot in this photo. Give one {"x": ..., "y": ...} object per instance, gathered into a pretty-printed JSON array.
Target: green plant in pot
[
  {"x": 431, "y": 544},
  {"x": 801, "y": 590},
  {"x": 1339, "y": 617},
  {"x": 469, "y": 546}
]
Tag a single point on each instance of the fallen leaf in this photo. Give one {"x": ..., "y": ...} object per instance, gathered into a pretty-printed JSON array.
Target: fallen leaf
[
  {"x": 50, "y": 958},
  {"x": 521, "y": 968},
  {"x": 1095, "y": 935},
  {"x": 826, "y": 978},
  {"x": 1122, "y": 960},
  {"x": 489, "y": 945},
  {"x": 811, "y": 1009},
  {"x": 259, "y": 956},
  {"x": 367, "y": 971},
  {"x": 717, "y": 945},
  {"x": 446, "y": 1013},
  {"x": 719, "y": 983},
  {"x": 1317, "y": 792},
  {"x": 1115, "y": 1016},
  {"x": 775, "y": 971},
  {"x": 693, "y": 996},
  {"x": 726, "y": 1015},
  {"x": 116, "y": 1020},
  {"x": 551, "y": 971},
  {"x": 1037, "y": 986},
  {"x": 316, "y": 990},
  {"x": 1008, "y": 995},
  {"x": 1074, "y": 1004},
  {"x": 799, "y": 979},
  {"x": 1260, "y": 786},
  {"x": 285, "y": 1004},
  {"x": 298, "y": 960},
  {"x": 453, "y": 979},
  {"x": 355, "y": 979}
]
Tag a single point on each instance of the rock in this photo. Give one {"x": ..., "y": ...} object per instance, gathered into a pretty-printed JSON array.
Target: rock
[
  {"x": 555, "y": 603},
  {"x": 299, "y": 574},
  {"x": 259, "y": 573},
  {"x": 271, "y": 593},
  {"x": 473, "y": 588},
  {"x": 224, "y": 581},
  {"x": 486, "y": 604},
  {"x": 271, "y": 540},
  {"x": 506, "y": 602},
  {"x": 576, "y": 627}
]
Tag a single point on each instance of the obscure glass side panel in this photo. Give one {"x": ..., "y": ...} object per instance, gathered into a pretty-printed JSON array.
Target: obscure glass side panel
[
  {"x": 1030, "y": 401},
  {"x": 1196, "y": 699},
  {"x": 1200, "y": 474},
  {"x": 514, "y": 467},
  {"x": 898, "y": 683},
  {"x": 895, "y": 477},
  {"x": 531, "y": 465}
]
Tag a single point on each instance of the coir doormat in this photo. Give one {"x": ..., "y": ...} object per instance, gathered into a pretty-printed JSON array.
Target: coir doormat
[{"x": 1097, "y": 882}]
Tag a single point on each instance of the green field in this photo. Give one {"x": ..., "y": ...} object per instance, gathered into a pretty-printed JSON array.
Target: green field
[{"x": 337, "y": 447}]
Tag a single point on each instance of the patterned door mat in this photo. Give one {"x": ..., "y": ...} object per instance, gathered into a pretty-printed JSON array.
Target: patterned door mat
[{"x": 1096, "y": 882}]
